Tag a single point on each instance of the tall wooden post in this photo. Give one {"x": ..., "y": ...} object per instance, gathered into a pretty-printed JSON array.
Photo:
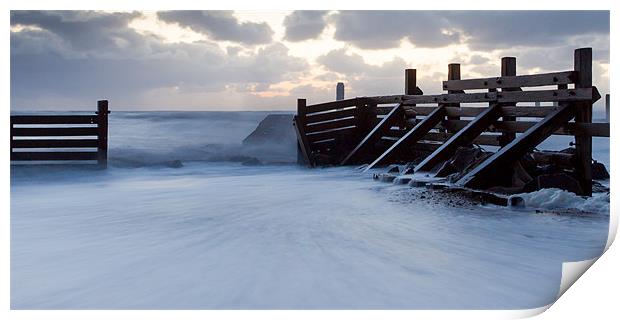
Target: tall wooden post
[
  {"x": 411, "y": 85},
  {"x": 583, "y": 114},
  {"x": 102, "y": 133},
  {"x": 300, "y": 122},
  {"x": 509, "y": 68},
  {"x": 454, "y": 73}
]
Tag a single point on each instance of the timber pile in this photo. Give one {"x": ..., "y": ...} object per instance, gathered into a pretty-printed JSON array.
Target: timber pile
[{"x": 436, "y": 135}]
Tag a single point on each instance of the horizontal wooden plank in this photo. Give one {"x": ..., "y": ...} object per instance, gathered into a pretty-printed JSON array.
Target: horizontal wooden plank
[
  {"x": 320, "y": 117},
  {"x": 535, "y": 80},
  {"x": 321, "y": 107},
  {"x": 325, "y": 135},
  {"x": 30, "y": 156},
  {"x": 594, "y": 129},
  {"x": 55, "y": 143},
  {"x": 41, "y": 132},
  {"x": 54, "y": 119},
  {"x": 566, "y": 95},
  {"x": 537, "y": 112},
  {"x": 348, "y": 122}
]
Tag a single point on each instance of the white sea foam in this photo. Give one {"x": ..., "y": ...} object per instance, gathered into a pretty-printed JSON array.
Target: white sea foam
[{"x": 553, "y": 198}]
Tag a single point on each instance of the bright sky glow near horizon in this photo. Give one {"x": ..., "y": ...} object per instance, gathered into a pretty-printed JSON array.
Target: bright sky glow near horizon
[{"x": 265, "y": 60}]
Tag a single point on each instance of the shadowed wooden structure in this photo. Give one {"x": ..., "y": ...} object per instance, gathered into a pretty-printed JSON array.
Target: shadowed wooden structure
[
  {"x": 380, "y": 130},
  {"x": 61, "y": 138}
]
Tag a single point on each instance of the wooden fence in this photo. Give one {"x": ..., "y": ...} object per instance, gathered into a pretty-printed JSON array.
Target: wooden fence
[
  {"x": 48, "y": 137},
  {"x": 364, "y": 130}
]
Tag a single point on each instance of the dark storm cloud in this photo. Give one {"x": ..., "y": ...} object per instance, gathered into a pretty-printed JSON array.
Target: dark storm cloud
[
  {"x": 385, "y": 29},
  {"x": 480, "y": 29},
  {"x": 84, "y": 30},
  {"x": 304, "y": 25},
  {"x": 220, "y": 25}
]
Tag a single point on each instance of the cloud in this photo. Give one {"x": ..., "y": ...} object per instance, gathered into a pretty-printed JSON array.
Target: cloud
[
  {"x": 220, "y": 25},
  {"x": 86, "y": 31},
  {"x": 386, "y": 29},
  {"x": 304, "y": 25},
  {"x": 481, "y": 30}
]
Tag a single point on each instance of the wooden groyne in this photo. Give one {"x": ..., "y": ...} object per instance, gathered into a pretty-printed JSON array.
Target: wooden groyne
[
  {"x": 382, "y": 130},
  {"x": 61, "y": 132}
]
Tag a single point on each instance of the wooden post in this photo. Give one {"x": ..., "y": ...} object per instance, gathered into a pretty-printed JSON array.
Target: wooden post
[
  {"x": 509, "y": 68},
  {"x": 411, "y": 87},
  {"x": 410, "y": 81},
  {"x": 454, "y": 73},
  {"x": 583, "y": 114},
  {"x": 303, "y": 157},
  {"x": 102, "y": 133}
]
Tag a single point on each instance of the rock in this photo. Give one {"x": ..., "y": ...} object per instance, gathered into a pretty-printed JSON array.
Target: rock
[
  {"x": 386, "y": 177},
  {"x": 417, "y": 183},
  {"x": 597, "y": 187},
  {"x": 463, "y": 158},
  {"x": 393, "y": 169},
  {"x": 402, "y": 180},
  {"x": 559, "y": 180},
  {"x": 599, "y": 172}
]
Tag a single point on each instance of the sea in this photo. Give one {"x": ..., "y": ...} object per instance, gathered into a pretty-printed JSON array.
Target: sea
[{"x": 188, "y": 217}]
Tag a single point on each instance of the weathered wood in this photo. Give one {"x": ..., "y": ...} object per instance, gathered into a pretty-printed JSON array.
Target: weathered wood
[
  {"x": 583, "y": 114},
  {"x": 340, "y": 104},
  {"x": 373, "y": 135},
  {"x": 464, "y": 136},
  {"x": 568, "y": 129},
  {"x": 504, "y": 158},
  {"x": 410, "y": 81},
  {"x": 55, "y": 143},
  {"x": 102, "y": 133},
  {"x": 509, "y": 69},
  {"x": 411, "y": 137},
  {"x": 303, "y": 145},
  {"x": 53, "y": 156},
  {"x": 567, "y": 95},
  {"x": 320, "y": 117},
  {"x": 43, "y": 132},
  {"x": 331, "y": 134},
  {"x": 53, "y": 119},
  {"x": 487, "y": 140},
  {"x": 323, "y": 126},
  {"x": 535, "y": 80},
  {"x": 533, "y": 112},
  {"x": 454, "y": 73}
]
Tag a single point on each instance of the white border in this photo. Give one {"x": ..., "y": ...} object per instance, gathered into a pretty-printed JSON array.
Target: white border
[{"x": 595, "y": 295}]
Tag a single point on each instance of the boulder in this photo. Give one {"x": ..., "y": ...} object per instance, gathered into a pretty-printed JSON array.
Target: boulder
[
  {"x": 599, "y": 172},
  {"x": 559, "y": 180}
]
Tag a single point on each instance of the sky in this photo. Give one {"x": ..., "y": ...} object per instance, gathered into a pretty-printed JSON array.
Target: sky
[{"x": 265, "y": 60}]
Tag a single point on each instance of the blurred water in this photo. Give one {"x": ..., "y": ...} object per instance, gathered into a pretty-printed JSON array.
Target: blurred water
[{"x": 218, "y": 234}]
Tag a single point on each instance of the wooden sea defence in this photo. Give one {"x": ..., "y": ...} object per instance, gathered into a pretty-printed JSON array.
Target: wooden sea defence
[
  {"x": 60, "y": 138},
  {"x": 495, "y": 112}
]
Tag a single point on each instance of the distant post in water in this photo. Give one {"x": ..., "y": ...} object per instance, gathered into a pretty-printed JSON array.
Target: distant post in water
[
  {"x": 607, "y": 107},
  {"x": 102, "y": 133},
  {"x": 340, "y": 91}
]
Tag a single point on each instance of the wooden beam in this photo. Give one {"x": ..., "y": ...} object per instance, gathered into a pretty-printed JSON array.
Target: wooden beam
[
  {"x": 454, "y": 73},
  {"x": 303, "y": 146},
  {"x": 54, "y": 119},
  {"x": 583, "y": 114},
  {"x": 533, "y": 112},
  {"x": 56, "y": 156},
  {"x": 535, "y": 80},
  {"x": 329, "y": 125},
  {"x": 463, "y": 137},
  {"x": 569, "y": 129},
  {"x": 509, "y": 69},
  {"x": 331, "y": 134},
  {"x": 373, "y": 135},
  {"x": 55, "y": 143},
  {"x": 410, "y": 138},
  {"x": 320, "y": 117},
  {"x": 567, "y": 95},
  {"x": 43, "y": 132},
  {"x": 322, "y": 107},
  {"x": 503, "y": 159}
]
